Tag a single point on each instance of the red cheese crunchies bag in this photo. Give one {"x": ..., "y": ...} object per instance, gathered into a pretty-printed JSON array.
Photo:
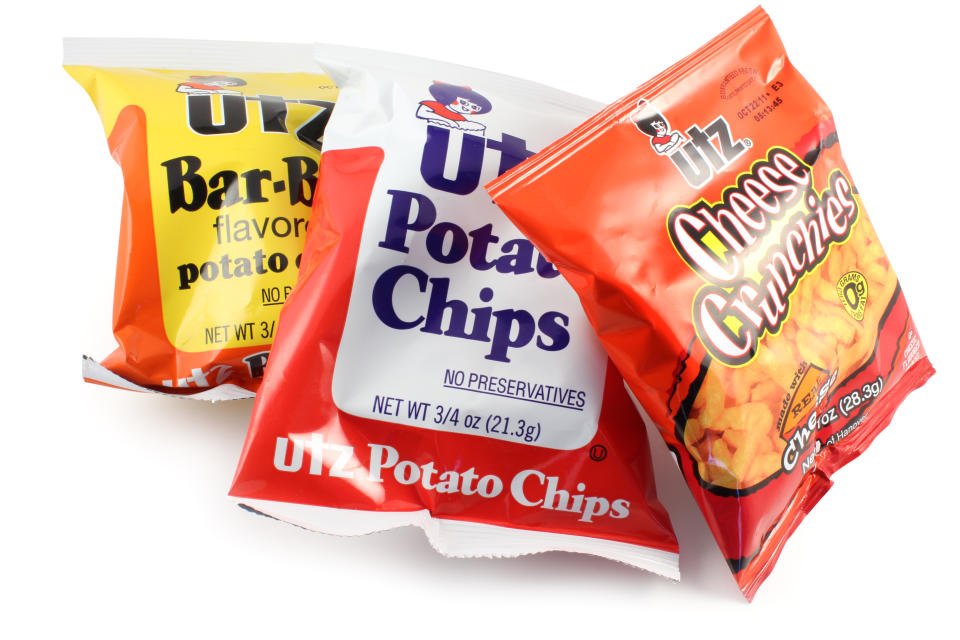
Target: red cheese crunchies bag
[
  {"x": 219, "y": 144},
  {"x": 722, "y": 252},
  {"x": 431, "y": 368}
]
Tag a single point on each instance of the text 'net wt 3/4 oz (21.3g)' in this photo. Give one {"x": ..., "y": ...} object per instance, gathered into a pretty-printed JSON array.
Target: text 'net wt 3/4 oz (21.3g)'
[
  {"x": 431, "y": 367},
  {"x": 722, "y": 252}
]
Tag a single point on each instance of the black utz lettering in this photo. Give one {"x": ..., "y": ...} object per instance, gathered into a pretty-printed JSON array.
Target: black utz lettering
[
  {"x": 728, "y": 148},
  {"x": 700, "y": 159},
  {"x": 200, "y": 114},
  {"x": 273, "y": 114},
  {"x": 311, "y": 132}
]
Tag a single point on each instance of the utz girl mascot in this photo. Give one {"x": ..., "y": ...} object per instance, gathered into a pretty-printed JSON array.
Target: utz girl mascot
[
  {"x": 451, "y": 105},
  {"x": 656, "y": 126}
]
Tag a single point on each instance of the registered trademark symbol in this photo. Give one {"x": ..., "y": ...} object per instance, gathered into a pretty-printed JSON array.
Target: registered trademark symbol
[
  {"x": 598, "y": 452},
  {"x": 747, "y": 142}
]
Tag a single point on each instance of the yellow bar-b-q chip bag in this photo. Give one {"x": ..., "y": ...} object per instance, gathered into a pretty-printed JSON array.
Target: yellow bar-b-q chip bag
[{"x": 219, "y": 144}]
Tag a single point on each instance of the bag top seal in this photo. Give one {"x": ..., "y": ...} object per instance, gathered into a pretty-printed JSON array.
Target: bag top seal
[
  {"x": 340, "y": 61},
  {"x": 164, "y": 53},
  {"x": 615, "y": 111}
]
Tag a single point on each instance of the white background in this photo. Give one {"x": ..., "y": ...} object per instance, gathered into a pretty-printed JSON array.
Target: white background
[{"x": 115, "y": 518}]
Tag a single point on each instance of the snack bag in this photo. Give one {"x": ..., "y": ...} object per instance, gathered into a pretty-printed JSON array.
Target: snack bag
[
  {"x": 219, "y": 144},
  {"x": 722, "y": 252},
  {"x": 431, "y": 368}
]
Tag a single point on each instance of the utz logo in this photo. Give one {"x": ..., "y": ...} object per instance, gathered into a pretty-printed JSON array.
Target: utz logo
[
  {"x": 451, "y": 106},
  {"x": 450, "y": 114},
  {"x": 708, "y": 150},
  {"x": 231, "y": 114}
]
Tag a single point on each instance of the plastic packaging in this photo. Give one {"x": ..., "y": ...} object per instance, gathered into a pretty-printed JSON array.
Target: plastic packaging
[
  {"x": 722, "y": 252},
  {"x": 430, "y": 367},
  {"x": 219, "y": 144}
]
